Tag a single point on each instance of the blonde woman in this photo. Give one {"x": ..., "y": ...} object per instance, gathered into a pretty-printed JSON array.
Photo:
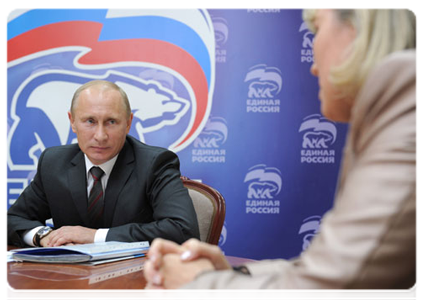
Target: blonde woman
[{"x": 366, "y": 65}]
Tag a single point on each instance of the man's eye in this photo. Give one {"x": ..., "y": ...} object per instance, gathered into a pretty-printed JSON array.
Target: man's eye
[
  {"x": 90, "y": 121},
  {"x": 112, "y": 122}
]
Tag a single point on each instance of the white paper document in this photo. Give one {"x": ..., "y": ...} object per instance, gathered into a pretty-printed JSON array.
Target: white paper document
[{"x": 95, "y": 252}]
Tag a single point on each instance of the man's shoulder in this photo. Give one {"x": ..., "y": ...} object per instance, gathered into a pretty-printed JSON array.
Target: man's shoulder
[
  {"x": 62, "y": 151},
  {"x": 142, "y": 147},
  {"x": 70, "y": 147}
]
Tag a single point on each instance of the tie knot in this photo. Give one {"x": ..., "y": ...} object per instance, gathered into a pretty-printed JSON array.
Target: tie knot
[{"x": 96, "y": 172}]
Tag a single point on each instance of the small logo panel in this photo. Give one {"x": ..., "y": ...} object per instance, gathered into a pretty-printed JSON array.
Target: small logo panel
[
  {"x": 307, "y": 44},
  {"x": 309, "y": 228},
  {"x": 221, "y": 33},
  {"x": 209, "y": 145},
  {"x": 319, "y": 135},
  {"x": 264, "y": 85},
  {"x": 264, "y": 185}
]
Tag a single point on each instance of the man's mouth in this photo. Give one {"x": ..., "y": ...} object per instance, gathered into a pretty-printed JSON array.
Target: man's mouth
[{"x": 98, "y": 148}]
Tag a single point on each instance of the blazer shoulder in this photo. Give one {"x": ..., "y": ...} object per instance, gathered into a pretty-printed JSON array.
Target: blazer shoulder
[
  {"x": 142, "y": 147},
  {"x": 60, "y": 153},
  {"x": 72, "y": 148}
]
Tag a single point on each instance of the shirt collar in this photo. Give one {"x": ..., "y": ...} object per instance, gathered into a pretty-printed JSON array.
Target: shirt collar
[{"x": 106, "y": 167}]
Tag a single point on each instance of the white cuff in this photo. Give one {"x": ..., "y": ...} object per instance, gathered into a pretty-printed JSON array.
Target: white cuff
[
  {"x": 100, "y": 235},
  {"x": 28, "y": 236}
]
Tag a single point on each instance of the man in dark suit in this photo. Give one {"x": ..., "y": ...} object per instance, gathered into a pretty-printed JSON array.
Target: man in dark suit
[{"x": 133, "y": 193}]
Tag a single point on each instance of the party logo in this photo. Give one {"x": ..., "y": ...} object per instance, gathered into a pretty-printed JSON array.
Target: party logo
[
  {"x": 263, "y": 186},
  {"x": 264, "y": 85},
  {"x": 140, "y": 50},
  {"x": 208, "y": 146},
  {"x": 221, "y": 32},
  {"x": 309, "y": 228},
  {"x": 307, "y": 44},
  {"x": 319, "y": 135}
]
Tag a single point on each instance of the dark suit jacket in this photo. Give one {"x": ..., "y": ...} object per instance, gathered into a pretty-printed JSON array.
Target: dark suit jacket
[{"x": 144, "y": 197}]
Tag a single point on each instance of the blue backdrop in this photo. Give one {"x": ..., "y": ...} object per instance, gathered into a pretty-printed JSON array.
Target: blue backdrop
[{"x": 230, "y": 91}]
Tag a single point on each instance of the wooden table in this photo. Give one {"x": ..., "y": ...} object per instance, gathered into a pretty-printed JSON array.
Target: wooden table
[{"x": 126, "y": 274}]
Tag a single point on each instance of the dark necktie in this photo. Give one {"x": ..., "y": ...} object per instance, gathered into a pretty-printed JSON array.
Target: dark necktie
[{"x": 95, "y": 199}]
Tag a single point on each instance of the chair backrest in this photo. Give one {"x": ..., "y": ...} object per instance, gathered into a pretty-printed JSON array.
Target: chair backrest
[{"x": 210, "y": 208}]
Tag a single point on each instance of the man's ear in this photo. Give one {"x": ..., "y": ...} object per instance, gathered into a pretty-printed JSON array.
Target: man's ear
[
  {"x": 129, "y": 122},
  {"x": 72, "y": 121}
]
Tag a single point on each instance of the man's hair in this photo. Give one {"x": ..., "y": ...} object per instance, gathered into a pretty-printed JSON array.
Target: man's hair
[
  {"x": 380, "y": 32},
  {"x": 105, "y": 85}
]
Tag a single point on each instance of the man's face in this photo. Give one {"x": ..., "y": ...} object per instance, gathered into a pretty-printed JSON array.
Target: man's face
[{"x": 100, "y": 122}]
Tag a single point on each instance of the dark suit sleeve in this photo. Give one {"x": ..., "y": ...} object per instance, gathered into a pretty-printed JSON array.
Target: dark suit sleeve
[
  {"x": 173, "y": 214},
  {"x": 29, "y": 211}
]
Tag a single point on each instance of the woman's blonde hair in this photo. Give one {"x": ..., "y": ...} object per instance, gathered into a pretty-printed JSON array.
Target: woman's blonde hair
[{"x": 379, "y": 33}]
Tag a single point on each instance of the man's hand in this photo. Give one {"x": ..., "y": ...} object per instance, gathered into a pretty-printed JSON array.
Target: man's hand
[{"x": 69, "y": 235}]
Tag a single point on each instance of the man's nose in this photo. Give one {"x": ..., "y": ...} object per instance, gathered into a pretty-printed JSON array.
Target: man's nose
[
  {"x": 313, "y": 70},
  {"x": 100, "y": 133}
]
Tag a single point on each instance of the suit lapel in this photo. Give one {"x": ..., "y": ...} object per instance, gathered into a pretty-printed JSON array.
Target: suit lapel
[
  {"x": 78, "y": 185},
  {"x": 121, "y": 171}
]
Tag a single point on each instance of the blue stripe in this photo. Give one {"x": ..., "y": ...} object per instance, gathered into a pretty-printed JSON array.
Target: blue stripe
[
  {"x": 40, "y": 17},
  {"x": 159, "y": 28}
]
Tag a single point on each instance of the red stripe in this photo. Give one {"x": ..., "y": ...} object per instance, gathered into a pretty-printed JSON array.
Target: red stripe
[
  {"x": 95, "y": 201},
  {"x": 75, "y": 33}
]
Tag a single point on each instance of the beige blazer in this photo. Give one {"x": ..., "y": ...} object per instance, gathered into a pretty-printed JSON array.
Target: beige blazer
[{"x": 368, "y": 239}]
